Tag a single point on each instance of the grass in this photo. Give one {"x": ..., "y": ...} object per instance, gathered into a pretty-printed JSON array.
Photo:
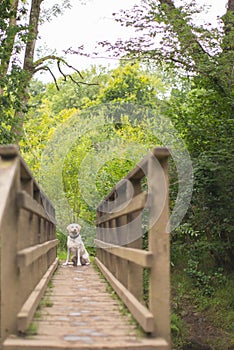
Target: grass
[
  {"x": 62, "y": 254},
  {"x": 32, "y": 329},
  {"x": 217, "y": 309},
  {"x": 179, "y": 331},
  {"x": 45, "y": 302},
  {"x": 121, "y": 306}
]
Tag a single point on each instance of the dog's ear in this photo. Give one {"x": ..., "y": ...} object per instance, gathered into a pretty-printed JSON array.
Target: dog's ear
[
  {"x": 68, "y": 227},
  {"x": 78, "y": 227}
]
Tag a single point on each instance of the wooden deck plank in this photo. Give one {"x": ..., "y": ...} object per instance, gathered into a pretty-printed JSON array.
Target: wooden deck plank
[{"x": 83, "y": 315}]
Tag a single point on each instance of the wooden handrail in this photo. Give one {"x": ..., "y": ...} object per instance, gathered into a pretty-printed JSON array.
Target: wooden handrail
[
  {"x": 27, "y": 256},
  {"x": 120, "y": 256},
  {"x": 28, "y": 242},
  {"x": 139, "y": 257},
  {"x": 137, "y": 203},
  {"x": 139, "y": 311},
  {"x": 25, "y": 201}
]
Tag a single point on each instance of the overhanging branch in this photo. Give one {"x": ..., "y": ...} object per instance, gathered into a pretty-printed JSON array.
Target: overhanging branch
[
  {"x": 46, "y": 68},
  {"x": 39, "y": 67}
]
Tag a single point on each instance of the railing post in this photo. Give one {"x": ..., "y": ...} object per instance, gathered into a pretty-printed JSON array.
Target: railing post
[
  {"x": 134, "y": 231},
  {"x": 123, "y": 264},
  {"x": 99, "y": 235},
  {"x": 159, "y": 281}
]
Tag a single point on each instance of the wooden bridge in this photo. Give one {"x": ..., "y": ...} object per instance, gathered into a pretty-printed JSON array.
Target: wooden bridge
[{"x": 78, "y": 312}]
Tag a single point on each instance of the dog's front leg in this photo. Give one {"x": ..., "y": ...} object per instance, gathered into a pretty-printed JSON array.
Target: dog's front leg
[
  {"x": 78, "y": 257},
  {"x": 68, "y": 257}
]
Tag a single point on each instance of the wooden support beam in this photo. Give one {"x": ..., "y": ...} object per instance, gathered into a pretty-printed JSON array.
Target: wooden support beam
[
  {"x": 28, "y": 255},
  {"x": 8, "y": 151},
  {"x": 139, "y": 257},
  {"x": 25, "y": 201},
  {"x": 45, "y": 344},
  {"x": 24, "y": 317},
  {"x": 159, "y": 244},
  {"x": 143, "y": 316},
  {"x": 137, "y": 203},
  {"x": 140, "y": 170}
]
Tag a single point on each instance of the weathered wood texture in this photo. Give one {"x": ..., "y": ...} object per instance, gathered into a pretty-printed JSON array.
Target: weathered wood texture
[
  {"x": 27, "y": 242},
  {"x": 80, "y": 314},
  {"x": 141, "y": 196}
]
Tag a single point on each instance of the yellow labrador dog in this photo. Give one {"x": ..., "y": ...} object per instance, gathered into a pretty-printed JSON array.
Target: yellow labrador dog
[{"x": 76, "y": 246}]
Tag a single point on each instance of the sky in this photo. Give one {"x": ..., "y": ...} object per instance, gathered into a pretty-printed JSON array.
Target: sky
[{"x": 91, "y": 21}]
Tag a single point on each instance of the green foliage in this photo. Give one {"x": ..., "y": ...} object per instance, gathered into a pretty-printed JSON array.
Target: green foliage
[
  {"x": 205, "y": 281},
  {"x": 117, "y": 137},
  {"x": 119, "y": 143},
  {"x": 125, "y": 135},
  {"x": 191, "y": 302},
  {"x": 19, "y": 21},
  {"x": 62, "y": 246},
  {"x": 13, "y": 79},
  {"x": 202, "y": 113},
  {"x": 11, "y": 102},
  {"x": 32, "y": 329},
  {"x": 178, "y": 330},
  {"x": 40, "y": 125},
  {"x": 204, "y": 118},
  {"x": 182, "y": 42},
  {"x": 74, "y": 92},
  {"x": 133, "y": 85}
]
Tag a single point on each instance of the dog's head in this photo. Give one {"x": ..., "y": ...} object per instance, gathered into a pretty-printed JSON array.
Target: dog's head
[{"x": 73, "y": 230}]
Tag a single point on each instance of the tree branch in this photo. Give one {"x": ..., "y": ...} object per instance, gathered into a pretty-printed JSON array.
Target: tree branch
[
  {"x": 82, "y": 82},
  {"x": 60, "y": 70},
  {"x": 187, "y": 38},
  {"x": 50, "y": 71},
  {"x": 59, "y": 60},
  {"x": 48, "y": 58}
]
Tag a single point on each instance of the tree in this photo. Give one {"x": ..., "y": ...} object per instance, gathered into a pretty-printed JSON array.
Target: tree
[
  {"x": 48, "y": 108},
  {"x": 112, "y": 122},
  {"x": 203, "y": 114},
  {"x": 169, "y": 34},
  {"x": 132, "y": 84},
  {"x": 19, "y": 40},
  {"x": 73, "y": 95}
]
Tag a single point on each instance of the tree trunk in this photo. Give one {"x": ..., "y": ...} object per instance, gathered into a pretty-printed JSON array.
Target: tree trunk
[
  {"x": 10, "y": 39},
  {"x": 9, "y": 42},
  {"x": 28, "y": 66}
]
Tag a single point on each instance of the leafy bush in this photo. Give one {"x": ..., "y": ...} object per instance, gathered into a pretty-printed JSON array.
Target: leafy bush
[{"x": 205, "y": 281}]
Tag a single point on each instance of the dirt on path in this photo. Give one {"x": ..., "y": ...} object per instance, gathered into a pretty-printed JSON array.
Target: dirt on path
[{"x": 203, "y": 335}]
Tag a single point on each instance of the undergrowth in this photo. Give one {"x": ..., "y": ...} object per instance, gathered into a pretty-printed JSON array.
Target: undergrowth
[{"x": 206, "y": 290}]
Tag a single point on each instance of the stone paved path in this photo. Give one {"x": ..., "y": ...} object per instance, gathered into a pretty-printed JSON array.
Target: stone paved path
[{"x": 82, "y": 315}]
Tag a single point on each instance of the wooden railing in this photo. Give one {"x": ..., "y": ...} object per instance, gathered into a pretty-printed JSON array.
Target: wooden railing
[
  {"x": 28, "y": 243},
  {"x": 140, "y": 196}
]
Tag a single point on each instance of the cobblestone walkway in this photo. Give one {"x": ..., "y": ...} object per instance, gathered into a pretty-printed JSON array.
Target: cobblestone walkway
[{"x": 80, "y": 314}]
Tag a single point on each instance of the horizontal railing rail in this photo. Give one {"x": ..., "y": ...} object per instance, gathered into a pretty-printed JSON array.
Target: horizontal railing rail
[
  {"x": 136, "y": 212},
  {"x": 28, "y": 242}
]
